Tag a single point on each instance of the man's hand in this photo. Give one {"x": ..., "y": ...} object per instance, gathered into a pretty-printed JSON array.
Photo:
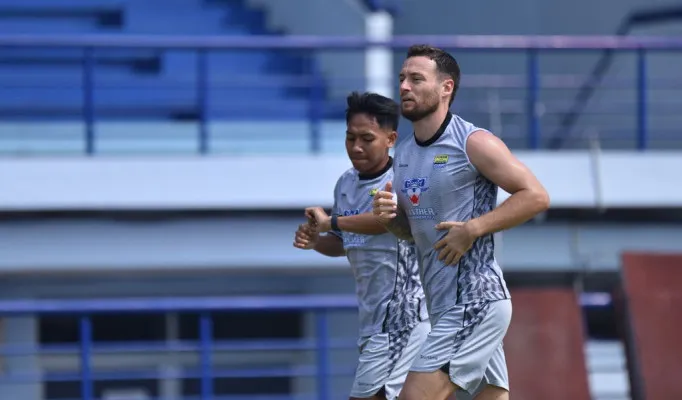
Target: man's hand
[
  {"x": 319, "y": 219},
  {"x": 306, "y": 237},
  {"x": 456, "y": 242},
  {"x": 385, "y": 206}
]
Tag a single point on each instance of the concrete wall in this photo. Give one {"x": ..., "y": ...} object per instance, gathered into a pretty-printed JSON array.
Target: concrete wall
[{"x": 264, "y": 243}]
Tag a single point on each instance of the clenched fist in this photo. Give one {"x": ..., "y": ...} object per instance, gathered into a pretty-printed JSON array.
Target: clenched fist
[
  {"x": 319, "y": 219},
  {"x": 306, "y": 237},
  {"x": 385, "y": 205}
]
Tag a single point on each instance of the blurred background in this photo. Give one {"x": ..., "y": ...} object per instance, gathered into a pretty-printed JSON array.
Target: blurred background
[{"x": 156, "y": 157}]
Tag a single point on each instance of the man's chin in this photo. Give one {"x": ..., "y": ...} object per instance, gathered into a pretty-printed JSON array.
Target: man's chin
[
  {"x": 413, "y": 115},
  {"x": 364, "y": 167},
  {"x": 417, "y": 114},
  {"x": 359, "y": 164}
]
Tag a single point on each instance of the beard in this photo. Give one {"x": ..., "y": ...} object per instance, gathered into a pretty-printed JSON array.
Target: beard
[{"x": 420, "y": 111}]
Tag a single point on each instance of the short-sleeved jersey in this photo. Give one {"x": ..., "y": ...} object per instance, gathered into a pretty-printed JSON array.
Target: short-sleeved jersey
[
  {"x": 390, "y": 294},
  {"x": 436, "y": 182}
]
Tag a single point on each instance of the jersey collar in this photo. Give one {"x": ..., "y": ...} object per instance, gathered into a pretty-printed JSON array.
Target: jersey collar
[
  {"x": 367, "y": 177},
  {"x": 438, "y": 133}
]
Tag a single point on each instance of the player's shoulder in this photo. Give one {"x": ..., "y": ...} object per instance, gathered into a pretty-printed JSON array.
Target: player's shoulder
[
  {"x": 458, "y": 120},
  {"x": 461, "y": 126},
  {"x": 459, "y": 130},
  {"x": 349, "y": 174}
]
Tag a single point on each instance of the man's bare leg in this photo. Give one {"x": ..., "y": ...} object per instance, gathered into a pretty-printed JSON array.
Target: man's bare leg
[
  {"x": 434, "y": 385},
  {"x": 493, "y": 393}
]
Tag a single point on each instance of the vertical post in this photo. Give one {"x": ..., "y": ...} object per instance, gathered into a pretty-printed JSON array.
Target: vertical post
[
  {"x": 322, "y": 336},
  {"x": 316, "y": 107},
  {"x": 202, "y": 99},
  {"x": 379, "y": 59},
  {"x": 642, "y": 106},
  {"x": 206, "y": 342},
  {"x": 532, "y": 100},
  {"x": 170, "y": 389},
  {"x": 88, "y": 100},
  {"x": 86, "y": 345}
]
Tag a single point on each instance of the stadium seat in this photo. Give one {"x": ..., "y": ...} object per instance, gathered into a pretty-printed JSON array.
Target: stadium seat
[{"x": 48, "y": 82}]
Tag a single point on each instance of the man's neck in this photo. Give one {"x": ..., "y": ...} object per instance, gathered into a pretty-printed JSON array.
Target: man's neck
[
  {"x": 426, "y": 127},
  {"x": 384, "y": 163},
  {"x": 377, "y": 170}
]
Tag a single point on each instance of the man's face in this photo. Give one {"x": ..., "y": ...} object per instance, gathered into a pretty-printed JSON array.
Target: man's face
[
  {"x": 421, "y": 88},
  {"x": 367, "y": 143}
]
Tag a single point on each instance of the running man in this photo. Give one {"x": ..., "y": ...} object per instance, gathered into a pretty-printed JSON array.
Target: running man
[
  {"x": 446, "y": 180},
  {"x": 392, "y": 310}
]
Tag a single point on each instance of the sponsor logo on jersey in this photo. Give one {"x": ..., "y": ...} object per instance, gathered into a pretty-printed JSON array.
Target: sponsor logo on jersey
[
  {"x": 372, "y": 192},
  {"x": 440, "y": 160},
  {"x": 421, "y": 213},
  {"x": 347, "y": 213},
  {"x": 354, "y": 240}
]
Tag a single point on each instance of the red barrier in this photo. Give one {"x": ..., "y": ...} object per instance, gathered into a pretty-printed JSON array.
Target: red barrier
[
  {"x": 653, "y": 301},
  {"x": 545, "y": 346}
]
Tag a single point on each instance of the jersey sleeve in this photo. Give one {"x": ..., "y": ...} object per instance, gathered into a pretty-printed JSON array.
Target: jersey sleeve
[{"x": 335, "y": 207}]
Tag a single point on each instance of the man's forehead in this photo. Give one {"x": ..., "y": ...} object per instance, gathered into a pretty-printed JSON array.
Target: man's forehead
[
  {"x": 362, "y": 121},
  {"x": 365, "y": 124},
  {"x": 419, "y": 64}
]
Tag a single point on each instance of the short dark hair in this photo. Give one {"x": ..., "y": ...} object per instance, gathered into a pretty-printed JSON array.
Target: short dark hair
[
  {"x": 385, "y": 110},
  {"x": 445, "y": 62}
]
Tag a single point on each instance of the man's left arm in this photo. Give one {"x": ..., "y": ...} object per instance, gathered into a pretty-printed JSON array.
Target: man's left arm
[
  {"x": 492, "y": 159},
  {"x": 366, "y": 224}
]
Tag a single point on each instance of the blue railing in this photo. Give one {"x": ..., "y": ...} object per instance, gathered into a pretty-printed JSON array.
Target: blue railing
[
  {"x": 322, "y": 342},
  {"x": 531, "y": 45},
  {"x": 321, "y": 306}
]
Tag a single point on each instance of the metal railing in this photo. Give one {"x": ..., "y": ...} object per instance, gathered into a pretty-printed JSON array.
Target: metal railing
[
  {"x": 322, "y": 343},
  {"x": 532, "y": 46}
]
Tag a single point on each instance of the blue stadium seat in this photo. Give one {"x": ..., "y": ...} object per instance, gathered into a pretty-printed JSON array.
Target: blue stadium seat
[{"x": 48, "y": 82}]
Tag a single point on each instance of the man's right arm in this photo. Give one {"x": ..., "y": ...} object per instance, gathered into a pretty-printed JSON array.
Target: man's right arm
[
  {"x": 390, "y": 214},
  {"x": 400, "y": 226},
  {"x": 330, "y": 245}
]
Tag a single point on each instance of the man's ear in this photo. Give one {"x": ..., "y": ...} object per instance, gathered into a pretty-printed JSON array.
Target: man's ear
[
  {"x": 392, "y": 138},
  {"x": 448, "y": 87}
]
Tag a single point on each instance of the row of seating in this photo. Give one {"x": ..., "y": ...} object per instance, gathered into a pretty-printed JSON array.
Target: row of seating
[{"x": 47, "y": 82}]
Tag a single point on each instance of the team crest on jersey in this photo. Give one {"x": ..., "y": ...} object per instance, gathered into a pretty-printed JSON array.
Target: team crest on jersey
[
  {"x": 414, "y": 188},
  {"x": 440, "y": 160}
]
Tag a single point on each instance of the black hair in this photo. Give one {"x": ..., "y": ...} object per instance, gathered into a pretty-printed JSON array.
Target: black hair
[
  {"x": 445, "y": 62},
  {"x": 383, "y": 109}
]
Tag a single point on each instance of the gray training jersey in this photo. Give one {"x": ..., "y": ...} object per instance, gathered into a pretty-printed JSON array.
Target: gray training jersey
[
  {"x": 435, "y": 182},
  {"x": 386, "y": 271}
]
